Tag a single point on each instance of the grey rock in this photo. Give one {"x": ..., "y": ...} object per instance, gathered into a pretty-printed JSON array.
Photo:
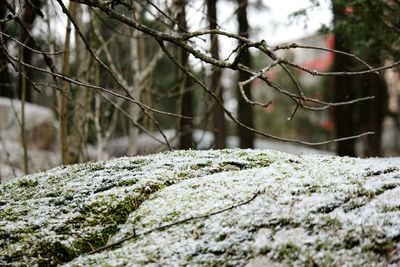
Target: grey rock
[{"x": 206, "y": 208}]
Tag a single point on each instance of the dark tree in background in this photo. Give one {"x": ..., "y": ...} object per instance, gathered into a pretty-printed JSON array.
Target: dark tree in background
[
  {"x": 186, "y": 103},
  {"x": 376, "y": 109},
  {"x": 218, "y": 114},
  {"x": 369, "y": 29},
  {"x": 342, "y": 85},
  {"x": 245, "y": 112},
  {"x": 31, "y": 11},
  {"x": 5, "y": 85}
]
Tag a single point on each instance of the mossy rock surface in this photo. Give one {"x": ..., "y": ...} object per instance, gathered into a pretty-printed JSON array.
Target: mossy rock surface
[{"x": 206, "y": 208}]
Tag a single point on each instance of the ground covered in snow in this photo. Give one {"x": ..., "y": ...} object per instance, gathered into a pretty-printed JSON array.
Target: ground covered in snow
[{"x": 205, "y": 208}]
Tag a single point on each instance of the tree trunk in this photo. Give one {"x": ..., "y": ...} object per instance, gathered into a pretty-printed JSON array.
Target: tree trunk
[
  {"x": 28, "y": 18},
  {"x": 81, "y": 100},
  {"x": 245, "y": 112},
  {"x": 343, "y": 115},
  {"x": 186, "y": 103},
  {"x": 6, "y": 89},
  {"x": 375, "y": 110},
  {"x": 139, "y": 62},
  {"x": 218, "y": 115},
  {"x": 63, "y": 103}
]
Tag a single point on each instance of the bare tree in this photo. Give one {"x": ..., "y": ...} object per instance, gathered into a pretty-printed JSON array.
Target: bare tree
[
  {"x": 5, "y": 83},
  {"x": 343, "y": 115},
  {"x": 245, "y": 112},
  {"x": 353, "y": 37},
  {"x": 376, "y": 110},
  {"x": 184, "y": 41},
  {"x": 186, "y": 101},
  {"x": 63, "y": 99},
  {"x": 218, "y": 115},
  {"x": 29, "y": 14},
  {"x": 138, "y": 55},
  {"x": 80, "y": 99}
]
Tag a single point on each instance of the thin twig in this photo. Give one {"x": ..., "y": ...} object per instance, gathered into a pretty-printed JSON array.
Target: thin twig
[
  {"x": 230, "y": 115},
  {"x": 30, "y": 48},
  {"x": 339, "y": 73},
  {"x": 109, "y": 91},
  {"x": 168, "y": 225},
  {"x": 294, "y": 45}
]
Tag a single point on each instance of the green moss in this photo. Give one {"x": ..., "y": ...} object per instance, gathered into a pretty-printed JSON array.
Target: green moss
[
  {"x": 329, "y": 207},
  {"x": 311, "y": 262},
  {"x": 379, "y": 246},
  {"x": 101, "y": 216},
  {"x": 134, "y": 165},
  {"x": 259, "y": 161},
  {"x": 195, "y": 167},
  {"x": 380, "y": 172},
  {"x": 221, "y": 236},
  {"x": 203, "y": 165},
  {"x": 386, "y": 187},
  {"x": 350, "y": 240},
  {"x": 54, "y": 253},
  {"x": 27, "y": 182},
  {"x": 289, "y": 252},
  {"x": 227, "y": 167},
  {"x": 38, "y": 250},
  {"x": 387, "y": 208},
  {"x": 182, "y": 174},
  {"x": 7, "y": 213},
  {"x": 306, "y": 189},
  {"x": 278, "y": 223},
  {"x": 325, "y": 222},
  {"x": 94, "y": 166},
  {"x": 362, "y": 192},
  {"x": 332, "y": 223},
  {"x": 138, "y": 161},
  {"x": 240, "y": 153},
  {"x": 128, "y": 182}
]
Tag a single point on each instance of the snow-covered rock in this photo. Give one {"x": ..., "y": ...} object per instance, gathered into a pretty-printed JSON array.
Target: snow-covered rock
[
  {"x": 40, "y": 124},
  {"x": 205, "y": 208},
  {"x": 40, "y": 138}
]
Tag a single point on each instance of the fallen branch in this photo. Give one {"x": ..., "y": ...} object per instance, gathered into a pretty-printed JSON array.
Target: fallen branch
[{"x": 165, "y": 226}]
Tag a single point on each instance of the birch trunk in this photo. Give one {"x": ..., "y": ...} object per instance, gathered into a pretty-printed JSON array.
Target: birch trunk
[
  {"x": 81, "y": 98},
  {"x": 139, "y": 61}
]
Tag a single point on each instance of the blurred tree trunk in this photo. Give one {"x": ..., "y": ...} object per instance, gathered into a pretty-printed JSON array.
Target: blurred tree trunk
[
  {"x": 80, "y": 96},
  {"x": 186, "y": 102},
  {"x": 63, "y": 103},
  {"x": 31, "y": 10},
  {"x": 375, "y": 109},
  {"x": 245, "y": 112},
  {"x": 343, "y": 115},
  {"x": 218, "y": 115},
  {"x": 139, "y": 62},
  {"x": 28, "y": 17},
  {"x": 6, "y": 89}
]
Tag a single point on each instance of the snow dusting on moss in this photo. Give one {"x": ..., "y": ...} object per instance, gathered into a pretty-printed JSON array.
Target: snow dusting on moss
[{"x": 297, "y": 210}]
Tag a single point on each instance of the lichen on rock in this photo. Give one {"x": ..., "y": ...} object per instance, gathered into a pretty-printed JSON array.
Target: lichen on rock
[{"x": 206, "y": 208}]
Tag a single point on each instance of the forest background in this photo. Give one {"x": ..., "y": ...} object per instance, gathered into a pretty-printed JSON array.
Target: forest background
[{"x": 91, "y": 79}]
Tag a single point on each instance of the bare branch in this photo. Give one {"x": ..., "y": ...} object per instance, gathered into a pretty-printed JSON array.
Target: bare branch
[
  {"x": 185, "y": 220},
  {"x": 230, "y": 115},
  {"x": 294, "y": 45},
  {"x": 109, "y": 91}
]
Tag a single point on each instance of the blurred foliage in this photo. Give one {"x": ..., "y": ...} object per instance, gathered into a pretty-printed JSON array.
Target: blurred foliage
[{"x": 371, "y": 27}]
